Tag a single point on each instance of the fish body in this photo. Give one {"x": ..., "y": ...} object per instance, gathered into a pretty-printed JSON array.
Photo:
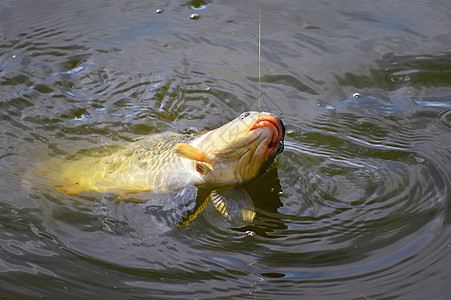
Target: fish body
[
  {"x": 149, "y": 164},
  {"x": 223, "y": 160}
]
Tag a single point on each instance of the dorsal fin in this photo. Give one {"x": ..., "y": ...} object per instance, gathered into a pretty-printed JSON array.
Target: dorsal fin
[{"x": 189, "y": 152}]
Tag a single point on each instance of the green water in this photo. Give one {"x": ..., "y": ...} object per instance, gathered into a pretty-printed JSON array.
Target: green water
[{"x": 356, "y": 207}]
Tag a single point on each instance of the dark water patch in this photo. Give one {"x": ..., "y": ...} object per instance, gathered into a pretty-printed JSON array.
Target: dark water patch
[
  {"x": 396, "y": 71},
  {"x": 198, "y": 4},
  {"x": 19, "y": 79}
]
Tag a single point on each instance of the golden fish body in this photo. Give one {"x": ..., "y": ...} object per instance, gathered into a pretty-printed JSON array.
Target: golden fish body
[
  {"x": 222, "y": 159},
  {"x": 146, "y": 165}
]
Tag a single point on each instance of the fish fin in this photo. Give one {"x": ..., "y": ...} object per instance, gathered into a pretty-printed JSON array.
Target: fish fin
[
  {"x": 234, "y": 204},
  {"x": 202, "y": 167},
  {"x": 193, "y": 207},
  {"x": 184, "y": 206},
  {"x": 71, "y": 189},
  {"x": 189, "y": 152},
  {"x": 174, "y": 207}
]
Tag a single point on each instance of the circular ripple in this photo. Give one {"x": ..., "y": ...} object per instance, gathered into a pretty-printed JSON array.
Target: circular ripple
[{"x": 358, "y": 186}]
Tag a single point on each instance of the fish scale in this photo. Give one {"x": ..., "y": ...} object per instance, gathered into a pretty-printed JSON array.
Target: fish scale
[{"x": 150, "y": 163}]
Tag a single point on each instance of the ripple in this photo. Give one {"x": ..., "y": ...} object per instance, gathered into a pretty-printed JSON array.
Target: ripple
[
  {"x": 360, "y": 184},
  {"x": 396, "y": 71},
  {"x": 355, "y": 207},
  {"x": 443, "y": 119}
]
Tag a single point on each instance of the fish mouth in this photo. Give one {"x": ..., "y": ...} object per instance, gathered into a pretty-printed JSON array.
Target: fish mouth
[{"x": 277, "y": 128}]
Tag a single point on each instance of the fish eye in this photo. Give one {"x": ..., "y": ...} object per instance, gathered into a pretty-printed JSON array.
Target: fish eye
[{"x": 244, "y": 115}]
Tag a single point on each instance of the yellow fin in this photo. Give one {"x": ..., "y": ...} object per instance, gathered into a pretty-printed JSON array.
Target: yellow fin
[
  {"x": 71, "y": 189},
  {"x": 221, "y": 205},
  {"x": 189, "y": 152},
  {"x": 234, "y": 204},
  {"x": 192, "y": 216}
]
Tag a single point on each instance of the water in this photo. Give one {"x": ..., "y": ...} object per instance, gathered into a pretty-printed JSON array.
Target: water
[{"x": 357, "y": 206}]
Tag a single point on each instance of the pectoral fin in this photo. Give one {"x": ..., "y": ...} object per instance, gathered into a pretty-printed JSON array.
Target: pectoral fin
[
  {"x": 175, "y": 208},
  {"x": 234, "y": 204},
  {"x": 190, "y": 202},
  {"x": 191, "y": 215},
  {"x": 189, "y": 152}
]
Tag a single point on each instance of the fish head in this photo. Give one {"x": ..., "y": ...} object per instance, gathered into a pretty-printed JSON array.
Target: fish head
[{"x": 242, "y": 149}]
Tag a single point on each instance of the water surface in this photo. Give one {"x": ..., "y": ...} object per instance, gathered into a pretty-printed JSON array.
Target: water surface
[{"x": 356, "y": 207}]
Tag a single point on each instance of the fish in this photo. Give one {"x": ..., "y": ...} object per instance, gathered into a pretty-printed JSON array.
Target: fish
[{"x": 222, "y": 160}]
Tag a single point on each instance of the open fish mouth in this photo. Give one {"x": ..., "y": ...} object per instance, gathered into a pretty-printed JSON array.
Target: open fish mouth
[{"x": 277, "y": 128}]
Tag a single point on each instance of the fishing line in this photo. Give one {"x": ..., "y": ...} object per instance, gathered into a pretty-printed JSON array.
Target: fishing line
[{"x": 259, "y": 48}]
